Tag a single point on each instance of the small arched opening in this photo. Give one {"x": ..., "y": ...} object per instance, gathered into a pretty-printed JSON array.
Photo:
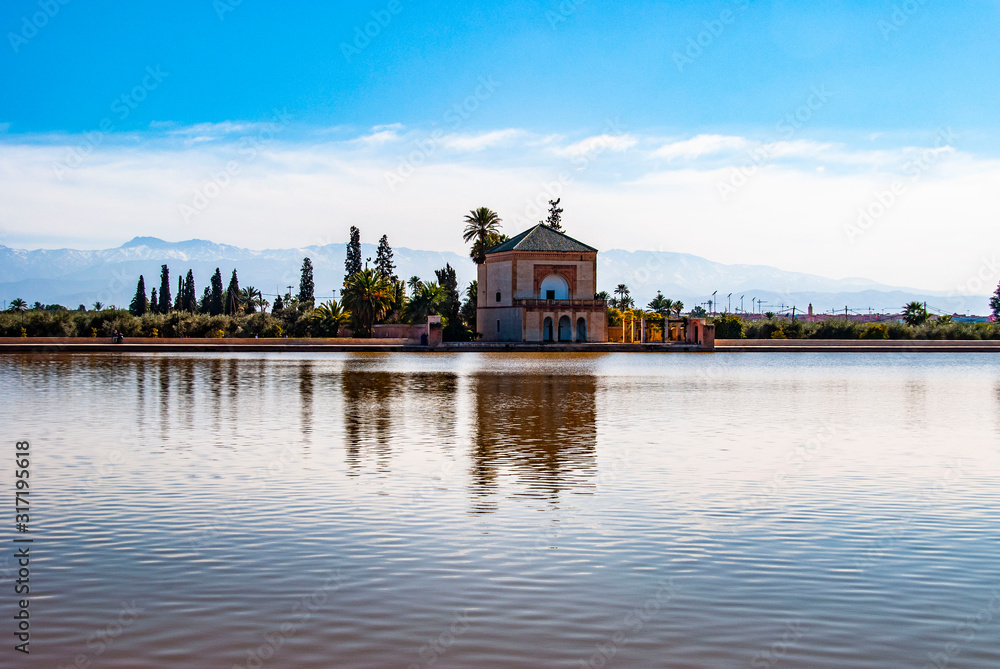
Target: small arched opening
[
  {"x": 581, "y": 329},
  {"x": 565, "y": 329},
  {"x": 547, "y": 329}
]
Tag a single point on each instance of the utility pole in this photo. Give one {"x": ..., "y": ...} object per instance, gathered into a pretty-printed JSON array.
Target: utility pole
[
  {"x": 712, "y": 310},
  {"x": 729, "y": 306},
  {"x": 741, "y": 305}
]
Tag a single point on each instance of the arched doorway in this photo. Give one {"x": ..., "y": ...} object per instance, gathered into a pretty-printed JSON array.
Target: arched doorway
[
  {"x": 553, "y": 287},
  {"x": 547, "y": 329},
  {"x": 581, "y": 329},
  {"x": 565, "y": 329}
]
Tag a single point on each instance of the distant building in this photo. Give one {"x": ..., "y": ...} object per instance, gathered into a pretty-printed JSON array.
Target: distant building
[{"x": 540, "y": 286}]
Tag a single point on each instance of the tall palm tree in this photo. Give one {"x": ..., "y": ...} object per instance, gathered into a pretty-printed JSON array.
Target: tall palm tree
[
  {"x": 369, "y": 296},
  {"x": 17, "y": 304},
  {"x": 625, "y": 300},
  {"x": 678, "y": 308},
  {"x": 414, "y": 283},
  {"x": 481, "y": 225},
  {"x": 425, "y": 302},
  {"x": 98, "y": 306},
  {"x": 328, "y": 317}
]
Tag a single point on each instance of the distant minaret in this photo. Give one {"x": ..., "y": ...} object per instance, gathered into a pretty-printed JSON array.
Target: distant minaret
[{"x": 810, "y": 309}]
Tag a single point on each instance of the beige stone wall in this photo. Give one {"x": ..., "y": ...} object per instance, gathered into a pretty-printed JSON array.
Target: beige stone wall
[{"x": 498, "y": 278}]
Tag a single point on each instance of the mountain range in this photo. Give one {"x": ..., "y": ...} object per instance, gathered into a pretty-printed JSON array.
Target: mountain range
[{"x": 71, "y": 277}]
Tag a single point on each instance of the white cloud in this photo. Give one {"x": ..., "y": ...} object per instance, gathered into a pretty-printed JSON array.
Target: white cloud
[
  {"x": 598, "y": 144},
  {"x": 701, "y": 145},
  {"x": 296, "y": 192},
  {"x": 482, "y": 141}
]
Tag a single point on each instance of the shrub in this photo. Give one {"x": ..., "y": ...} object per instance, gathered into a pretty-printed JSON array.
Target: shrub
[
  {"x": 875, "y": 331},
  {"x": 728, "y": 327}
]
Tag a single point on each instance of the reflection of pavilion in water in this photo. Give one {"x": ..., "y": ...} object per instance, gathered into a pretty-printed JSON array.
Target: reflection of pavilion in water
[{"x": 539, "y": 430}]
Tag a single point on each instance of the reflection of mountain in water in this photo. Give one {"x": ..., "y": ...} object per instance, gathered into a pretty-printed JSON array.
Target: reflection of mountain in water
[{"x": 540, "y": 430}]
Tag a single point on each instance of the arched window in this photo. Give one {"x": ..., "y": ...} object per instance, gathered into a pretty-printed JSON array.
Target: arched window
[
  {"x": 553, "y": 287},
  {"x": 547, "y": 334},
  {"x": 581, "y": 329}
]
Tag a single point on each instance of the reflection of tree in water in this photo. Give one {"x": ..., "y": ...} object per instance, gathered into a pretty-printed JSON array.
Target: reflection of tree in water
[
  {"x": 539, "y": 429},
  {"x": 306, "y": 398},
  {"x": 368, "y": 415},
  {"x": 381, "y": 408}
]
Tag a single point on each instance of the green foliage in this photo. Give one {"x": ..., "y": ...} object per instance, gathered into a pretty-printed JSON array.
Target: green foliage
[
  {"x": 728, "y": 327},
  {"x": 307, "y": 287},
  {"x": 482, "y": 227},
  {"x": 426, "y": 301},
  {"x": 469, "y": 307},
  {"x": 140, "y": 303},
  {"x": 995, "y": 302},
  {"x": 352, "y": 263},
  {"x": 699, "y": 312},
  {"x": 164, "y": 305},
  {"x": 554, "y": 219},
  {"x": 661, "y": 305},
  {"x": 232, "y": 300},
  {"x": 327, "y": 319},
  {"x": 875, "y": 331},
  {"x": 215, "y": 304},
  {"x": 914, "y": 313},
  {"x": 368, "y": 296},
  {"x": 623, "y": 298},
  {"x": 384, "y": 264},
  {"x": 451, "y": 305}
]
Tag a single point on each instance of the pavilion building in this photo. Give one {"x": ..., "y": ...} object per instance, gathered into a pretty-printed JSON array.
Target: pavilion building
[{"x": 540, "y": 286}]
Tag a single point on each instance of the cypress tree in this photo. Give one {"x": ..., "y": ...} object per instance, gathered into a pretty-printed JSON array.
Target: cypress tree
[
  {"x": 215, "y": 305},
  {"x": 383, "y": 260},
  {"x": 139, "y": 304},
  {"x": 190, "y": 300},
  {"x": 352, "y": 265},
  {"x": 164, "y": 305},
  {"x": 180, "y": 293},
  {"x": 206, "y": 301},
  {"x": 307, "y": 289},
  {"x": 232, "y": 306},
  {"x": 154, "y": 303}
]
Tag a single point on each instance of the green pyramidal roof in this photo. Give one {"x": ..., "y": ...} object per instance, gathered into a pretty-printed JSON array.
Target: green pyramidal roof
[{"x": 542, "y": 238}]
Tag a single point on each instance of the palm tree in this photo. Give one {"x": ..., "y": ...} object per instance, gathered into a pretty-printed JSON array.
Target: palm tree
[
  {"x": 425, "y": 302},
  {"x": 481, "y": 225},
  {"x": 414, "y": 283},
  {"x": 368, "y": 295},
  {"x": 328, "y": 317},
  {"x": 678, "y": 307},
  {"x": 603, "y": 295},
  {"x": 17, "y": 304},
  {"x": 914, "y": 313},
  {"x": 252, "y": 299},
  {"x": 661, "y": 305},
  {"x": 98, "y": 306},
  {"x": 624, "y": 301}
]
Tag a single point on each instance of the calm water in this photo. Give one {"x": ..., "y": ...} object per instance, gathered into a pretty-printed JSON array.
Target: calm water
[{"x": 475, "y": 510}]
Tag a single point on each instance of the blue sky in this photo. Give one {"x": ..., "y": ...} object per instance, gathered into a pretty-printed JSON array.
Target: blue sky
[
  {"x": 116, "y": 116},
  {"x": 560, "y": 69}
]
